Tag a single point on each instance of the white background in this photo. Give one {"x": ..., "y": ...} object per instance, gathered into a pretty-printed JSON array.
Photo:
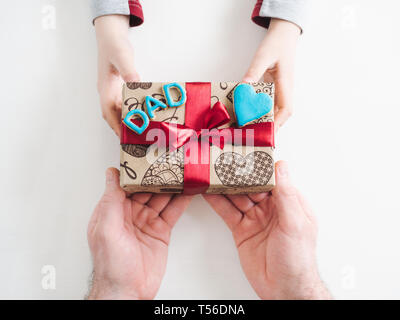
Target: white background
[{"x": 341, "y": 144}]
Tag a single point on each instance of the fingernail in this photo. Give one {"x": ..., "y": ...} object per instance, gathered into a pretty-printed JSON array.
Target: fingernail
[
  {"x": 109, "y": 176},
  {"x": 283, "y": 170}
]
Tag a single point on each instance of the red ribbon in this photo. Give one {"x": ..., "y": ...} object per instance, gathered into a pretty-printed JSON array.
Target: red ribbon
[{"x": 198, "y": 133}]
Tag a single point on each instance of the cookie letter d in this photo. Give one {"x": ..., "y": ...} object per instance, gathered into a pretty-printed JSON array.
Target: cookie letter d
[
  {"x": 170, "y": 100},
  {"x": 133, "y": 114}
]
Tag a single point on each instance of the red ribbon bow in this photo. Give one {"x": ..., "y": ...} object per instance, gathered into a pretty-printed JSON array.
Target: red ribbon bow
[{"x": 198, "y": 133}]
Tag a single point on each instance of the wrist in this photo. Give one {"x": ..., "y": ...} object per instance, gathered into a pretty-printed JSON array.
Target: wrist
[
  {"x": 107, "y": 294},
  {"x": 111, "y": 26},
  {"x": 307, "y": 289},
  {"x": 284, "y": 26},
  {"x": 106, "y": 290},
  {"x": 95, "y": 294},
  {"x": 312, "y": 291}
]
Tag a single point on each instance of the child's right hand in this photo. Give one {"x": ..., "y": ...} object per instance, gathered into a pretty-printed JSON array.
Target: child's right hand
[{"x": 115, "y": 65}]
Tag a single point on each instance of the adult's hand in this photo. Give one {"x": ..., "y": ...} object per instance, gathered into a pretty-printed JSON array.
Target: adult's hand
[
  {"x": 115, "y": 65},
  {"x": 274, "y": 61},
  {"x": 276, "y": 239},
  {"x": 128, "y": 238}
]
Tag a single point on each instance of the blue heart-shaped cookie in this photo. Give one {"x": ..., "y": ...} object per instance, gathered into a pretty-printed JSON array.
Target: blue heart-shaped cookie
[{"x": 249, "y": 105}]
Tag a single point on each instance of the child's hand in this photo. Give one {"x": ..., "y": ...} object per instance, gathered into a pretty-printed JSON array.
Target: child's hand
[
  {"x": 115, "y": 65},
  {"x": 274, "y": 60}
]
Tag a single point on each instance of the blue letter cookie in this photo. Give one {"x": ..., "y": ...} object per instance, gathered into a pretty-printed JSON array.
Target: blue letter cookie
[
  {"x": 134, "y": 127},
  {"x": 167, "y": 93},
  {"x": 152, "y": 107}
]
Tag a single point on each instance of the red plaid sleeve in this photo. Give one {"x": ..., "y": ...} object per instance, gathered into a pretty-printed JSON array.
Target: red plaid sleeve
[
  {"x": 136, "y": 17},
  {"x": 261, "y": 21}
]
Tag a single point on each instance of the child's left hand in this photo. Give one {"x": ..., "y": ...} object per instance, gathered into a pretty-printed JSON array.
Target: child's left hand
[{"x": 274, "y": 60}]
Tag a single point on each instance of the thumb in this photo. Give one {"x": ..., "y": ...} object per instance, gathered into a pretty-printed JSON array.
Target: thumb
[
  {"x": 283, "y": 182},
  {"x": 110, "y": 208},
  {"x": 286, "y": 200},
  {"x": 124, "y": 63},
  {"x": 112, "y": 181},
  {"x": 261, "y": 62}
]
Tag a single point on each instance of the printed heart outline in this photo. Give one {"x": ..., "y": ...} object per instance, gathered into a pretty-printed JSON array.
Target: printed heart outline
[
  {"x": 166, "y": 170},
  {"x": 250, "y": 105},
  {"x": 228, "y": 164}
]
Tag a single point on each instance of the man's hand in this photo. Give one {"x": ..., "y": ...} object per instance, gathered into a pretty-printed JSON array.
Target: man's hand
[
  {"x": 274, "y": 61},
  {"x": 276, "y": 238},
  {"x": 128, "y": 239},
  {"x": 115, "y": 65}
]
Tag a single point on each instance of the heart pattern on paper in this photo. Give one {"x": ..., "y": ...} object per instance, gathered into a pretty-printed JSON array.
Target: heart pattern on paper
[
  {"x": 135, "y": 150},
  {"x": 166, "y": 170},
  {"x": 235, "y": 170},
  {"x": 137, "y": 85},
  {"x": 249, "y": 105}
]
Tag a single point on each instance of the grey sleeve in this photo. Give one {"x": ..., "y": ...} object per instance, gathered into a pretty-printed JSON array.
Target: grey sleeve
[
  {"x": 105, "y": 7},
  {"x": 290, "y": 10}
]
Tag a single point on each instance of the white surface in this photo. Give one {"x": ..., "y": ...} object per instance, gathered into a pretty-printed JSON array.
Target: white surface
[{"x": 55, "y": 147}]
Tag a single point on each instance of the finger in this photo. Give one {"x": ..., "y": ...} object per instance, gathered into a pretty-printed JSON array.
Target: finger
[
  {"x": 225, "y": 209},
  {"x": 110, "y": 208},
  {"x": 159, "y": 201},
  {"x": 285, "y": 195},
  {"x": 142, "y": 198},
  {"x": 283, "y": 114},
  {"x": 258, "y": 197},
  {"x": 109, "y": 87},
  {"x": 269, "y": 76},
  {"x": 309, "y": 212},
  {"x": 283, "y": 97},
  {"x": 175, "y": 208},
  {"x": 92, "y": 222},
  {"x": 242, "y": 202},
  {"x": 284, "y": 185},
  {"x": 124, "y": 63},
  {"x": 261, "y": 62},
  {"x": 112, "y": 181},
  {"x": 113, "y": 118}
]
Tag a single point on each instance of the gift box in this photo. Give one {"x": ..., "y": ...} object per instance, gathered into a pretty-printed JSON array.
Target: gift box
[{"x": 197, "y": 137}]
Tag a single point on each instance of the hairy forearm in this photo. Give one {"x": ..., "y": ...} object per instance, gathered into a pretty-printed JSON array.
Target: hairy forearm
[
  {"x": 98, "y": 294},
  {"x": 313, "y": 290},
  {"x": 105, "y": 290}
]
